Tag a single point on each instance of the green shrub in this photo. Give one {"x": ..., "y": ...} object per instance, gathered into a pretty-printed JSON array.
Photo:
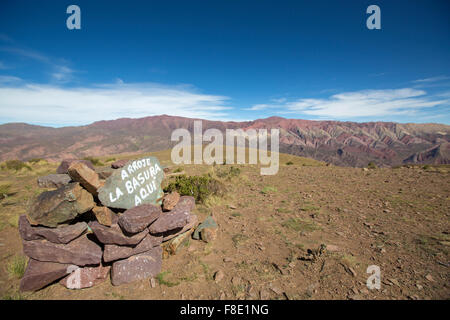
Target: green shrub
[
  {"x": 289, "y": 163},
  {"x": 110, "y": 159},
  {"x": 95, "y": 161},
  {"x": 179, "y": 169},
  {"x": 230, "y": 173},
  {"x": 372, "y": 165},
  {"x": 15, "y": 165},
  {"x": 200, "y": 187},
  {"x": 5, "y": 189},
  {"x": 35, "y": 160},
  {"x": 426, "y": 167}
]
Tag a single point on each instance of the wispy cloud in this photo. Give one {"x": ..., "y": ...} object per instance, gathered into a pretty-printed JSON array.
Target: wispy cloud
[
  {"x": 62, "y": 74},
  {"x": 359, "y": 104},
  {"x": 59, "y": 70},
  {"x": 432, "y": 79},
  {"x": 55, "y": 105}
]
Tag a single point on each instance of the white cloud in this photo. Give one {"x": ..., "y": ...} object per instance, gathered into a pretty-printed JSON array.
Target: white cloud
[
  {"x": 365, "y": 103},
  {"x": 62, "y": 74},
  {"x": 432, "y": 79},
  {"x": 55, "y": 105}
]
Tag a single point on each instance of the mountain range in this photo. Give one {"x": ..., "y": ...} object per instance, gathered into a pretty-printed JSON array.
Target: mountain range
[{"x": 339, "y": 143}]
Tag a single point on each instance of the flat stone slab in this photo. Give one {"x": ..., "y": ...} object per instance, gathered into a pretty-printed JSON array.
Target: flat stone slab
[
  {"x": 85, "y": 277},
  {"x": 39, "y": 274},
  {"x": 62, "y": 234},
  {"x": 138, "y": 218},
  {"x": 175, "y": 219},
  {"x": 65, "y": 164},
  {"x": 53, "y": 180},
  {"x": 193, "y": 221},
  {"x": 142, "y": 266},
  {"x": 59, "y": 206},
  {"x": 115, "y": 235},
  {"x": 86, "y": 176},
  {"x": 114, "y": 252},
  {"x": 80, "y": 251},
  {"x": 136, "y": 183}
]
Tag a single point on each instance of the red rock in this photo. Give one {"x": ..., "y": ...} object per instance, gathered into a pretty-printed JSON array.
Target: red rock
[
  {"x": 175, "y": 219},
  {"x": 39, "y": 274},
  {"x": 141, "y": 266},
  {"x": 65, "y": 164},
  {"x": 86, "y": 176},
  {"x": 119, "y": 163},
  {"x": 115, "y": 235},
  {"x": 85, "y": 277},
  {"x": 61, "y": 234},
  {"x": 80, "y": 251},
  {"x": 193, "y": 221},
  {"x": 138, "y": 218},
  {"x": 114, "y": 252}
]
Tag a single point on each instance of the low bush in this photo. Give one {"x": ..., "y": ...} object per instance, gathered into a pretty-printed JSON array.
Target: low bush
[
  {"x": 200, "y": 187},
  {"x": 15, "y": 165},
  {"x": 372, "y": 165},
  {"x": 95, "y": 161}
]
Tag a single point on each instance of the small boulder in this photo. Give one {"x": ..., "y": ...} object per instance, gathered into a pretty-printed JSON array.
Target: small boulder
[
  {"x": 208, "y": 223},
  {"x": 175, "y": 219},
  {"x": 119, "y": 163},
  {"x": 208, "y": 234},
  {"x": 53, "y": 180},
  {"x": 104, "y": 215},
  {"x": 59, "y": 206},
  {"x": 141, "y": 266},
  {"x": 80, "y": 251},
  {"x": 85, "y": 277},
  {"x": 87, "y": 177},
  {"x": 38, "y": 274},
  {"x": 115, "y": 235},
  {"x": 114, "y": 252},
  {"x": 138, "y": 218},
  {"x": 65, "y": 164},
  {"x": 170, "y": 201},
  {"x": 61, "y": 234}
]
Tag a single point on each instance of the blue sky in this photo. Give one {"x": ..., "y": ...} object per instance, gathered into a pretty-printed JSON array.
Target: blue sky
[{"x": 225, "y": 60}]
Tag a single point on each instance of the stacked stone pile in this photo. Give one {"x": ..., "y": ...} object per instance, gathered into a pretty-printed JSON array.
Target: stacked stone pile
[{"x": 89, "y": 227}]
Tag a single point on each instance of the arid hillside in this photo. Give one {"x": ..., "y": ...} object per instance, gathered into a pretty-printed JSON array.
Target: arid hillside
[{"x": 340, "y": 143}]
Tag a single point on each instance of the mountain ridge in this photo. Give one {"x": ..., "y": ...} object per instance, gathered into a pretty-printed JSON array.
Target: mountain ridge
[{"x": 341, "y": 143}]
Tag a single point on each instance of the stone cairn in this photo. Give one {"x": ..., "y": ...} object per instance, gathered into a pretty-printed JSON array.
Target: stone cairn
[{"x": 116, "y": 222}]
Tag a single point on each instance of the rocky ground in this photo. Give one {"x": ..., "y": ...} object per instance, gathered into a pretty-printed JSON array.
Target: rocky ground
[{"x": 309, "y": 232}]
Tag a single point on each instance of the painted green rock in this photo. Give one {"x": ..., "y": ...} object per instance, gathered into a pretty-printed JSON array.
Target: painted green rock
[{"x": 137, "y": 182}]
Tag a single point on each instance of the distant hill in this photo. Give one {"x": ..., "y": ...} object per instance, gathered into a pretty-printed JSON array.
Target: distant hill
[{"x": 340, "y": 143}]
